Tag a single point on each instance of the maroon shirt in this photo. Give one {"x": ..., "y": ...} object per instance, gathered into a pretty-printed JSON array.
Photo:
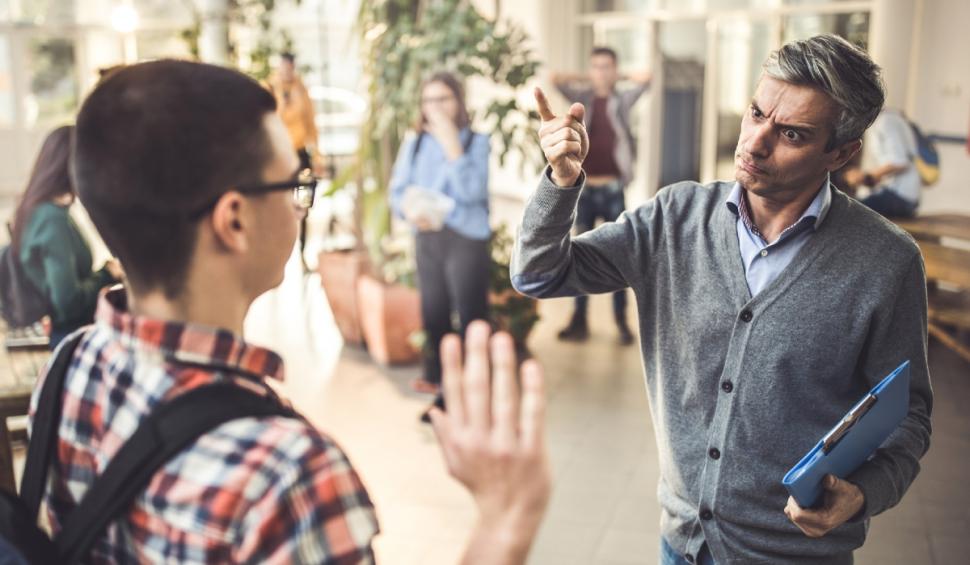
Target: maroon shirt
[{"x": 602, "y": 143}]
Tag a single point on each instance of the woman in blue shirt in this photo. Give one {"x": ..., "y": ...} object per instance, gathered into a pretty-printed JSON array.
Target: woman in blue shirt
[{"x": 447, "y": 163}]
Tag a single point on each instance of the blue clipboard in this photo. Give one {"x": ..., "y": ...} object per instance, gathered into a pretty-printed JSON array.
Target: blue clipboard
[{"x": 853, "y": 440}]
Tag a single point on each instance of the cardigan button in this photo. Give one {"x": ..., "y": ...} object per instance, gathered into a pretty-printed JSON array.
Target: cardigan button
[
  {"x": 714, "y": 453},
  {"x": 746, "y": 315},
  {"x": 689, "y": 557},
  {"x": 706, "y": 514},
  {"x": 727, "y": 386}
]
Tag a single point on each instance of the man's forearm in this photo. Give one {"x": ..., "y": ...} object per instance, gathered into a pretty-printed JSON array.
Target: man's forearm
[{"x": 540, "y": 252}]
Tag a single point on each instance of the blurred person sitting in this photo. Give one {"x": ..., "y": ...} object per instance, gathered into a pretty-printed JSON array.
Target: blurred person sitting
[
  {"x": 204, "y": 223},
  {"x": 295, "y": 107},
  {"x": 439, "y": 184},
  {"x": 53, "y": 253},
  {"x": 893, "y": 176},
  {"x": 609, "y": 164}
]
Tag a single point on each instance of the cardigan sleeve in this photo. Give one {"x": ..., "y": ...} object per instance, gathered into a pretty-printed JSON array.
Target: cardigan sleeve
[{"x": 899, "y": 333}]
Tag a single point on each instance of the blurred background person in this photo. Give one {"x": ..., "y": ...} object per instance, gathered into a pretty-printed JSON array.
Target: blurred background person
[
  {"x": 609, "y": 164},
  {"x": 53, "y": 253},
  {"x": 439, "y": 185},
  {"x": 295, "y": 107},
  {"x": 892, "y": 176}
]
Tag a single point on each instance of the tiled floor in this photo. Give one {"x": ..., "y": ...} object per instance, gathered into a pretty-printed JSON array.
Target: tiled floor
[{"x": 604, "y": 509}]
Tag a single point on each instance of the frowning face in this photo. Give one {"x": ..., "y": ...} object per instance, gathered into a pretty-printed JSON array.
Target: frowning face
[{"x": 783, "y": 147}]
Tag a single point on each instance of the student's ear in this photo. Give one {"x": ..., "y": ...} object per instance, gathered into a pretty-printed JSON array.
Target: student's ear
[
  {"x": 228, "y": 224},
  {"x": 842, "y": 154}
]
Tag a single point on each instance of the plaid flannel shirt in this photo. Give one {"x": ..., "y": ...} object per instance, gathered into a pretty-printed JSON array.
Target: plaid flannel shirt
[{"x": 256, "y": 490}]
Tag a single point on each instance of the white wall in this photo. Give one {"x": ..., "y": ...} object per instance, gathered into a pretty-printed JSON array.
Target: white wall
[{"x": 942, "y": 98}]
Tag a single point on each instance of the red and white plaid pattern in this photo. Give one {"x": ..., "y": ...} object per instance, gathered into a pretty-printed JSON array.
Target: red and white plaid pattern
[{"x": 269, "y": 490}]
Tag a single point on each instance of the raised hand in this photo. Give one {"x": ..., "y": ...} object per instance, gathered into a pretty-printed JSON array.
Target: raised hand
[
  {"x": 493, "y": 441},
  {"x": 563, "y": 140}
]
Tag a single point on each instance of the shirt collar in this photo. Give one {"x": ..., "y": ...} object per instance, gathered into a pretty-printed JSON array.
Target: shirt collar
[
  {"x": 187, "y": 343},
  {"x": 817, "y": 210}
]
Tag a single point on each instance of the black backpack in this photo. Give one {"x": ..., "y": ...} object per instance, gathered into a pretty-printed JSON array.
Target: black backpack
[
  {"x": 21, "y": 303},
  {"x": 168, "y": 430}
]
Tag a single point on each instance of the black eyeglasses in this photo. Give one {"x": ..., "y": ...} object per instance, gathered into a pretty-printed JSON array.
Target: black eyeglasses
[{"x": 304, "y": 188}]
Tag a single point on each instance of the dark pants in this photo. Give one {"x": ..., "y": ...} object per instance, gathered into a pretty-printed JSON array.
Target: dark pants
[
  {"x": 890, "y": 204},
  {"x": 600, "y": 203},
  {"x": 305, "y": 163},
  {"x": 453, "y": 276}
]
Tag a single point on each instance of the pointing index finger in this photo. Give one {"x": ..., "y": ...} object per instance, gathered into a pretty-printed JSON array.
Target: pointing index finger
[{"x": 543, "y": 103}]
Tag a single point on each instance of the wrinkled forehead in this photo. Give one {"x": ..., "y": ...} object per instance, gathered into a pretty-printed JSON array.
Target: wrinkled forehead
[{"x": 789, "y": 103}]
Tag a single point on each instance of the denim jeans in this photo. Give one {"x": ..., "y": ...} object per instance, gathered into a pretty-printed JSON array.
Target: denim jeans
[
  {"x": 600, "y": 203},
  {"x": 890, "y": 204},
  {"x": 669, "y": 556}
]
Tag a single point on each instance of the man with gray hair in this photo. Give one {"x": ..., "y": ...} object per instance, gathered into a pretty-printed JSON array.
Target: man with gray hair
[{"x": 767, "y": 307}]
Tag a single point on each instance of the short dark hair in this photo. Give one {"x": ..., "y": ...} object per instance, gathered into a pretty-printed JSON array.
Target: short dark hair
[
  {"x": 609, "y": 52},
  {"x": 288, "y": 57},
  {"x": 155, "y": 143}
]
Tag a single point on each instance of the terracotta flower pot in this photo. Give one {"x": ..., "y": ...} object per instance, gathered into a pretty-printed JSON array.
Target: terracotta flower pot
[
  {"x": 389, "y": 315},
  {"x": 339, "y": 271}
]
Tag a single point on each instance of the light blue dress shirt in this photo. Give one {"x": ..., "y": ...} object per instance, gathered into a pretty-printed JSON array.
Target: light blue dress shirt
[
  {"x": 465, "y": 180},
  {"x": 764, "y": 261}
]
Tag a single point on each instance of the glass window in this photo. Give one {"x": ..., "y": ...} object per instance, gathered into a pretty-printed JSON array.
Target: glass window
[
  {"x": 8, "y": 106},
  {"x": 854, "y": 27},
  {"x": 631, "y": 45},
  {"x": 157, "y": 44},
  {"x": 742, "y": 47},
  {"x": 683, "y": 48},
  {"x": 619, "y": 5},
  {"x": 41, "y": 11},
  {"x": 52, "y": 83}
]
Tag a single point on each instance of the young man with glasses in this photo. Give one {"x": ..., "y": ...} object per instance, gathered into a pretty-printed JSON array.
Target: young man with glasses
[{"x": 187, "y": 172}]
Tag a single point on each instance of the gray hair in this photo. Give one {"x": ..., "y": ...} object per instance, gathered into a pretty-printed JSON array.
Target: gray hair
[{"x": 841, "y": 70}]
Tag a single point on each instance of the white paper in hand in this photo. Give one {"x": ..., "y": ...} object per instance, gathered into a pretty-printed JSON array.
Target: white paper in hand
[{"x": 433, "y": 207}]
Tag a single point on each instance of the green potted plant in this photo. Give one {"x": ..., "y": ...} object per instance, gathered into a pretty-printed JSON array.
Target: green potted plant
[
  {"x": 511, "y": 312},
  {"x": 402, "y": 41}
]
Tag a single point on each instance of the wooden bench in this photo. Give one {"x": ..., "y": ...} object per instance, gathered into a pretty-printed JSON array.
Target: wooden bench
[{"x": 944, "y": 240}]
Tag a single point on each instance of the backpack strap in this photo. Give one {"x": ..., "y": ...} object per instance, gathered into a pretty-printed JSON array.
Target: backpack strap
[
  {"x": 162, "y": 435},
  {"x": 468, "y": 142},
  {"x": 47, "y": 419}
]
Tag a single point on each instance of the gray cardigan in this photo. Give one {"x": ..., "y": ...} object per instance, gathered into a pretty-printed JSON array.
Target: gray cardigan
[{"x": 759, "y": 379}]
